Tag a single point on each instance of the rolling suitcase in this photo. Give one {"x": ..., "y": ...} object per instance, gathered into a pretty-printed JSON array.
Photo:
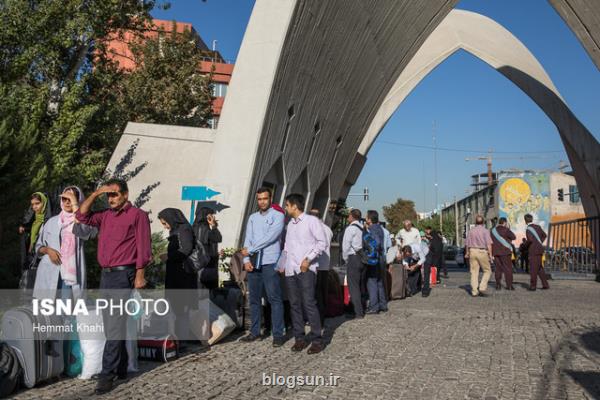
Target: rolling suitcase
[
  {"x": 39, "y": 352},
  {"x": 399, "y": 277},
  {"x": 334, "y": 304}
]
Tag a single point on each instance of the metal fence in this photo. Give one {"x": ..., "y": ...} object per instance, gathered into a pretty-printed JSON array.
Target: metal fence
[{"x": 573, "y": 246}]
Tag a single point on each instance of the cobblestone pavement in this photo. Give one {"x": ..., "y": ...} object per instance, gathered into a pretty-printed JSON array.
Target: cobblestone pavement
[{"x": 510, "y": 345}]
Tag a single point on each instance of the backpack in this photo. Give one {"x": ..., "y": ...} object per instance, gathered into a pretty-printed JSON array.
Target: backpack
[{"x": 369, "y": 253}]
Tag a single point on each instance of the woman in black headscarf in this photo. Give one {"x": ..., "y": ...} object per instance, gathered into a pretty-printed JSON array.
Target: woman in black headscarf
[
  {"x": 207, "y": 235},
  {"x": 181, "y": 244}
]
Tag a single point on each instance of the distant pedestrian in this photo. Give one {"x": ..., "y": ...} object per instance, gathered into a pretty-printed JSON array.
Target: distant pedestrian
[
  {"x": 535, "y": 238},
  {"x": 502, "y": 249},
  {"x": 355, "y": 269},
  {"x": 409, "y": 234},
  {"x": 262, "y": 248},
  {"x": 323, "y": 268},
  {"x": 376, "y": 273},
  {"x": 436, "y": 252},
  {"x": 479, "y": 253},
  {"x": 124, "y": 250},
  {"x": 304, "y": 243},
  {"x": 524, "y": 255}
]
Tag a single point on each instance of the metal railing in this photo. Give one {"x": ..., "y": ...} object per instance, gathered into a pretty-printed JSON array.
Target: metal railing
[{"x": 573, "y": 246}]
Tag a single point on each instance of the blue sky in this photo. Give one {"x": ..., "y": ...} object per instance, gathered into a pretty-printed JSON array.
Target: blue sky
[{"x": 474, "y": 107}]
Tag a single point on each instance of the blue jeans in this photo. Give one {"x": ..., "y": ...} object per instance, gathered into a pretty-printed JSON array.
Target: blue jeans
[
  {"x": 266, "y": 278},
  {"x": 377, "y": 298}
]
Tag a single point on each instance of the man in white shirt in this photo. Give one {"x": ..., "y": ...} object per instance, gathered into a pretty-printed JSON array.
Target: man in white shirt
[
  {"x": 355, "y": 269},
  {"x": 409, "y": 234},
  {"x": 305, "y": 241},
  {"x": 387, "y": 236},
  {"x": 323, "y": 268},
  {"x": 414, "y": 257}
]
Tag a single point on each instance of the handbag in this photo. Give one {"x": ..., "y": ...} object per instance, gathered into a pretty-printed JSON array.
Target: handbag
[
  {"x": 197, "y": 260},
  {"x": 27, "y": 280}
]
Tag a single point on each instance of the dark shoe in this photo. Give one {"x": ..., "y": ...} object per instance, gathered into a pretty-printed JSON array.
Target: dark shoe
[
  {"x": 121, "y": 375},
  {"x": 531, "y": 289},
  {"x": 425, "y": 293},
  {"x": 105, "y": 384},
  {"x": 498, "y": 286},
  {"x": 315, "y": 348},
  {"x": 299, "y": 345},
  {"x": 383, "y": 310},
  {"x": 483, "y": 294},
  {"x": 371, "y": 312},
  {"x": 278, "y": 342},
  {"x": 249, "y": 338},
  {"x": 511, "y": 287},
  {"x": 546, "y": 288}
]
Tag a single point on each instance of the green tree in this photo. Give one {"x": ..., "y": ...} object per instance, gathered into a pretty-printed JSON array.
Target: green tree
[
  {"x": 448, "y": 227},
  {"x": 64, "y": 103},
  {"x": 397, "y": 212},
  {"x": 166, "y": 87}
]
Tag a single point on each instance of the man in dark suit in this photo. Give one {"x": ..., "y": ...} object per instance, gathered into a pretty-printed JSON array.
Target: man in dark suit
[
  {"x": 535, "y": 237},
  {"x": 502, "y": 248}
]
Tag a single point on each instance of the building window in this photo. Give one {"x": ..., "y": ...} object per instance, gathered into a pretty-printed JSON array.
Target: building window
[
  {"x": 574, "y": 194},
  {"x": 219, "y": 89}
]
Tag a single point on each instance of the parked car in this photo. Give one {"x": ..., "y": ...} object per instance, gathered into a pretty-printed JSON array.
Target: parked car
[
  {"x": 450, "y": 252},
  {"x": 460, "y": 257}
]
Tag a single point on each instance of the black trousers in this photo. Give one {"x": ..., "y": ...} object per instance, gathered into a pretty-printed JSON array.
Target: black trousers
[
  {"x": 355, "y": 273},
  {"x": 301, "y": 292},
  {"x": 115, "y": 286},
  {"x": 321, "y": 293},
  {"x": 414, "y": 278}
]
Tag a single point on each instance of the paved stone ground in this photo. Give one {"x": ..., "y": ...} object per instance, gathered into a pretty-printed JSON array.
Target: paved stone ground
[{"x": 511, "y": 345}]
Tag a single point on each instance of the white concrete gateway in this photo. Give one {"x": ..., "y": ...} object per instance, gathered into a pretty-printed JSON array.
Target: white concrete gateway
[{"x": 303, "y": 107}]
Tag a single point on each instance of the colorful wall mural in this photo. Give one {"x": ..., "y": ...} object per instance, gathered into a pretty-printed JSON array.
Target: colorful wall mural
[{"x": 524, "y": 193}]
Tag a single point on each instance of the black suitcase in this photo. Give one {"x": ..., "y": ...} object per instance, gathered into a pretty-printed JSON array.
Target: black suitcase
[{"x": 230, "y": 300}]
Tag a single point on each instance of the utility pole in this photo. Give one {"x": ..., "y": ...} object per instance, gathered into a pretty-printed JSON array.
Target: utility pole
[
  {"x": 435, "y": 176},
  {"x": 456, "y": 219}
]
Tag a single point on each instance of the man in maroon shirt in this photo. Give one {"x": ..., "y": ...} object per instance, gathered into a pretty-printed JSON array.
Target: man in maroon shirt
[
  {"x": 535, "y": 237},
  {"x": 502, "y": 238},
  {"x": 124, "y": 249}
]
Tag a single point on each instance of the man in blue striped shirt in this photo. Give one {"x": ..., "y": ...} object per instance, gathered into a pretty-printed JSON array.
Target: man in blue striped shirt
[{"x": 262, "y": 248}]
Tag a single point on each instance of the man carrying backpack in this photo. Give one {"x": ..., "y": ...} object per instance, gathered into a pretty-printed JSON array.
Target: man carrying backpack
[
  {"x": 351, "y": 247},
  {"x": 376, "y": 264}
]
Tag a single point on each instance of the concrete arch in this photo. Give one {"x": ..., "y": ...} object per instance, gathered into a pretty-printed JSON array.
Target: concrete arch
[
  {"x": 332, "y": 62},
  {"x": 487, "y": 40}
]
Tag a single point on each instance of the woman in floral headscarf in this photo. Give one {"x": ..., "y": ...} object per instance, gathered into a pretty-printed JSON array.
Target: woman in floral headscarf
[{"x": 60, "y": 244}]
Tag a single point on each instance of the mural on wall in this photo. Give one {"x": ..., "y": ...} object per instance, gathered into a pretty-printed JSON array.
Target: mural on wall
[{"x": 524, "y": 193}]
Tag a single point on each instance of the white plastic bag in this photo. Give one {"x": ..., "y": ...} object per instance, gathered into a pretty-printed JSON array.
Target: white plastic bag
[
  {"x": 92, "y": 345},
  {"x": 221, "y": 324}
]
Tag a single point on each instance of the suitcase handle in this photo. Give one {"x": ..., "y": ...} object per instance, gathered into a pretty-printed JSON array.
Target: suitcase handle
[{"x": 49, "y": 350}]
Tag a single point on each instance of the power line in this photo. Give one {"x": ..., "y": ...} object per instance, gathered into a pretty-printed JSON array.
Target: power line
[{"x": 416, "y": 146}]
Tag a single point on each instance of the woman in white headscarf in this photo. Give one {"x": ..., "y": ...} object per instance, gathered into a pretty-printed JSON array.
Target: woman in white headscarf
[{"x": 60, "y": 246}]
